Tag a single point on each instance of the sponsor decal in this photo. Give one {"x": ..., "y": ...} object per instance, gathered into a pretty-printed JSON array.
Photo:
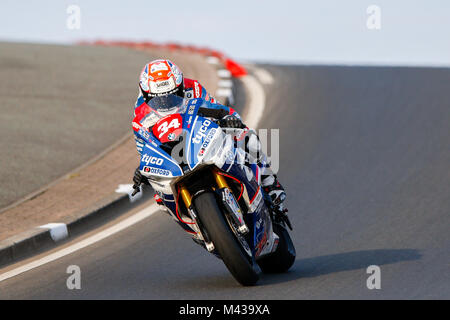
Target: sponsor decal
[
  {"x": 144, "y": 81},
  {"x": 189, "y": 121},
  {"x": 256, "y": 201},
  {"x": 261, "y": 234},
  {"x": 164, "y": 93},
  {"x": 258, "y": 223},
  {"x": 201, "y": 132},
  {"x": 144, "y": 133},
  {"x": 229, "y": 198},
  {"x": 163, "y": 126},
  {"x": 177, "y": 74},
  {"x": 191, "y": 108},
  {"x": 158, "y": 67},
  {"x": 152, "y": 160},
  {"x": 149, "y": 120},
  {"x": 162, "y": 84},
  {"x": 157, "y": 171},
  {"x": 206, "y": 142},
  {"x": 197, "y": 89},
  {"x": 171, "y": 136},
  {"x": 260, "y": 246}
]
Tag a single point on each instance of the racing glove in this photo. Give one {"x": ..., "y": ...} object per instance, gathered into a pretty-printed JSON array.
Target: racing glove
[
  {"x": 231, "y": 121},
  {"x": 138, "y": 179}
]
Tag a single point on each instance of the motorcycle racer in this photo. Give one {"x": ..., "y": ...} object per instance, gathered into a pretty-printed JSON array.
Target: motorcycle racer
[{"x": 159, "y": 80}]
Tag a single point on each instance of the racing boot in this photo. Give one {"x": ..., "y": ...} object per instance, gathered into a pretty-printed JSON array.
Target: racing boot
[{"x": 275, "y": 191}]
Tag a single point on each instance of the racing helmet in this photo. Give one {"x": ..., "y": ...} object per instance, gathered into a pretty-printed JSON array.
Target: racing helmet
[{"x": 161, "y": 77}]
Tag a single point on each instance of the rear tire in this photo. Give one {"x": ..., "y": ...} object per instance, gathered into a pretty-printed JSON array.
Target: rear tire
[
  {"x": 224, "y": 240},
  {"x": 283, "y": 258}
]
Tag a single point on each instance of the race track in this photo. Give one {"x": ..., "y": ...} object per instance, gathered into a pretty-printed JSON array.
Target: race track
[{"x": 365, "y": 160}]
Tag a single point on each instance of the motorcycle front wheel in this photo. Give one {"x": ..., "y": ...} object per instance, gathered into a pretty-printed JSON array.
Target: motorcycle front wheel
[{"x": 224, "y": 240}]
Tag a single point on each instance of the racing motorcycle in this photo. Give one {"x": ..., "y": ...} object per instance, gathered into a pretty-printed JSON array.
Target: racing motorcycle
[{"x": 199, "y": 171}]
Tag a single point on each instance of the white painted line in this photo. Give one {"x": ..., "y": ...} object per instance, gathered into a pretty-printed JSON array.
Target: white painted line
[
  {"x": 224, "y": 73},
  {"x": 58, "y": 231},
  {"x": 256, "y": 101},
  {"x": 128, "y": 189},
  {"x": 212, "y": 60},
  {"x": 231, "y": 100},
  {"x": 141, "y": 215},
  {"x": 225, "y": 84},
  {"x": 263, "y": 75},
  {"x": 224, "y": 92}
]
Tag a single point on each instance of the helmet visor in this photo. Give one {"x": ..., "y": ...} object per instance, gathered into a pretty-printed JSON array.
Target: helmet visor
[{"x": 166, "y": 103}]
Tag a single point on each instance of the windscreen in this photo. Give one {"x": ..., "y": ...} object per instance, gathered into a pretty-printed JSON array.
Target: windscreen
[{"x": 166, "y": 103}]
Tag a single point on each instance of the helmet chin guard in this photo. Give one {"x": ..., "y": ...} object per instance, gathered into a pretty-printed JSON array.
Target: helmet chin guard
[{"x": 161, "y": 77}]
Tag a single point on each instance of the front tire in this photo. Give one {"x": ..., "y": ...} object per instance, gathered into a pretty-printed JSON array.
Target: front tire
[{"x": 224, "y": 240}]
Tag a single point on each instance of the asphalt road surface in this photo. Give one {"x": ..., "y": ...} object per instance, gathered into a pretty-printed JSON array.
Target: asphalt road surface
[
  {"x": 365, "y": 160},
  {"x": 60, "y": 106}
]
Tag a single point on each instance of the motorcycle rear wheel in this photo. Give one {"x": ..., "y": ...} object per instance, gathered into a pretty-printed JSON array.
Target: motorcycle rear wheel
[{"x": 283, "y": 257}]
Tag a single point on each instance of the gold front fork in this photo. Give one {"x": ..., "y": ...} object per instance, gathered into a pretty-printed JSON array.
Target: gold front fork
[
  {"x": 220, "y": 180},
  {"x": 186, "y": 196}
]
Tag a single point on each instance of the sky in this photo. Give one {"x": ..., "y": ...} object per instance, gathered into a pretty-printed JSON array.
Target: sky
[{"x": 379, "y": 32}]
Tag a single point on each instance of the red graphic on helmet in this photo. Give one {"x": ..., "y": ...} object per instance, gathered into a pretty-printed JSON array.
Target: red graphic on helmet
[{"x": 161, "y": 77}]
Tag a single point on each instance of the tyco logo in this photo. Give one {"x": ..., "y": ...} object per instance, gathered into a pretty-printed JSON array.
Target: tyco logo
[
  {"x": 201, "y": 132},
  {"x": 205, "y": 144},
  {"x": 152, "y": 160}
]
